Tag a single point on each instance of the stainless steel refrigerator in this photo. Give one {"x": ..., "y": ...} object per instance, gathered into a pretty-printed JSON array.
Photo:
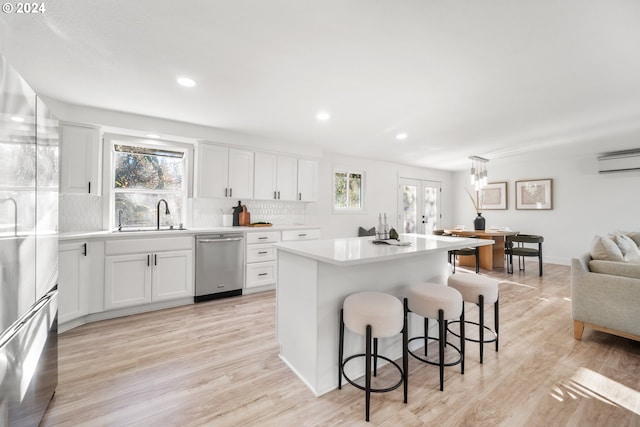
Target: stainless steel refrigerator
[{"x": 29, "y": 141}]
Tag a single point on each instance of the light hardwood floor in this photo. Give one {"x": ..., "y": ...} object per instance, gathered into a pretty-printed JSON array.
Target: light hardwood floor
[{"x": 217, "y": 364}]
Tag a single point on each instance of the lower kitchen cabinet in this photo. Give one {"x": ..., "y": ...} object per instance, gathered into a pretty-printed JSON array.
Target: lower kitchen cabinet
[
  {"x": 73, "y": 267},
  {"x": 149, "y": 276}
]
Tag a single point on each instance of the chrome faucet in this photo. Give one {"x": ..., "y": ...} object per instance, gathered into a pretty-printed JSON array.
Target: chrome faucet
[
  {"x": 167, "y": 212},
  {"x": 15, "y": 214}
]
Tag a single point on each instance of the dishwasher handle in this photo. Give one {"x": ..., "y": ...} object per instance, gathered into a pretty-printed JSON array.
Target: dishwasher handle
[{"x": 228, "y": 239}]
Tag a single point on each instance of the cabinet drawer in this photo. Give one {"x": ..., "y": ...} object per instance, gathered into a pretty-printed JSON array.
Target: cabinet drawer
[
  {"x": 260, "y": 274},
  {"x": 263, "y": 237},
  {"x": 120, "y": 246},
  {"x": 259, "y": 253},
  {"x": 310, "y": 234}
]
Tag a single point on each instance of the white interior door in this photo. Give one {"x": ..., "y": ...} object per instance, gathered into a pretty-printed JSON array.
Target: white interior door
[{"x": 418, "y": 205}]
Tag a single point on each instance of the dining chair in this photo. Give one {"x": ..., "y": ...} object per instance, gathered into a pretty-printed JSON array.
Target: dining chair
[{"x": 520, "y": 246}]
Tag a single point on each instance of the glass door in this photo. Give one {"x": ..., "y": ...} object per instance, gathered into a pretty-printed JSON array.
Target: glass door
[{"x": 418, "y": 205}]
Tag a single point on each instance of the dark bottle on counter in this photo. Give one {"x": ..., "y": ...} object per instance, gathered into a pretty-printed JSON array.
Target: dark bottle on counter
[{"x": 236, "y": 214}]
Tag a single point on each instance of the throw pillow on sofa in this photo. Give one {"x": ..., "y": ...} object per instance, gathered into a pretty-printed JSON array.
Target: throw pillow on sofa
[
  {"x": 603, "y": 248},
  {"x": 635, "y": 236},
  {"x": 628, "y": 247}
]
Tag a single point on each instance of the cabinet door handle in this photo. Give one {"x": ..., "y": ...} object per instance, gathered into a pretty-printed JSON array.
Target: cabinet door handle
[
  {"x": 155, "y": 259},
  {"x": 89, "y": 187},
  {"x": 226, "y": 192},
  {"x": 148, "y": 260},
  {"x": 278, "y": 195},
  {"x": 84, "y": 249},
  {"x": 230, "y": 192},
  {"x": 275, "y": 194},
  {"x": 299, "y": 196}
]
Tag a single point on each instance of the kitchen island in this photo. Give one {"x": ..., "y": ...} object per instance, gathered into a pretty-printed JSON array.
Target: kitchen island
[{"x": 314, "y": 278}]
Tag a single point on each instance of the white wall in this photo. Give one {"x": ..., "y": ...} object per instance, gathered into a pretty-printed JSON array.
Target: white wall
[
  {"x": 585, "y": 203},
  {"x": 381, "y": 194}
]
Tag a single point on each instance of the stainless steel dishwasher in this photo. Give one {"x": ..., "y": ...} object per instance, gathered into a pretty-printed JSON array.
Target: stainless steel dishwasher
[{"x": 219, "y": 266}]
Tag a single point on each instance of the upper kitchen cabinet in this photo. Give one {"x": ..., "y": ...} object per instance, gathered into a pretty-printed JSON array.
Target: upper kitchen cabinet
[
  {"x": 276, "y": 177},
  {"x": 80, "y": 159},
  {"x": 307, "y": 180},
  {"x": 224, "y": 172}
]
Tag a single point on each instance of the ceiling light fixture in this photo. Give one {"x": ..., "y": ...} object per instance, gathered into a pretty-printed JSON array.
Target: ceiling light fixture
[
  {"x": 401, "y": 136},
  {"x": 17, "y": 119},
  {"x": 478, "y": 174},
  {"x": 186, "y": 82},
  {"x": 323, "y": 116},
  {"x": 153, "y": 135}
]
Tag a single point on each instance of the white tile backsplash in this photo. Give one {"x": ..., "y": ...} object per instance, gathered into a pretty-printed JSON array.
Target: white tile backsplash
[
  {"x": 208, "y": 212},
  {"x": 79, "y": 212},
  {"x": 84, "y": 213}
]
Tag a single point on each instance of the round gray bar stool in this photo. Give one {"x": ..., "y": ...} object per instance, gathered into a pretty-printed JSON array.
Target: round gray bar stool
[
  {"x": 373, "y": 315},
  {"x": 435, "y": 301},
  {"x": 479, "y": 290}
]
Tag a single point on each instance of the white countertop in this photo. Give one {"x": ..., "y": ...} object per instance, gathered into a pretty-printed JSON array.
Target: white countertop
[
  {"x": 361, "y": 250},
  {"x": 185, "y": 232}
]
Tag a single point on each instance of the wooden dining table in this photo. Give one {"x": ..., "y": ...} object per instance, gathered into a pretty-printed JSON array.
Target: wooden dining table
[{"x": 491, "y": 256}]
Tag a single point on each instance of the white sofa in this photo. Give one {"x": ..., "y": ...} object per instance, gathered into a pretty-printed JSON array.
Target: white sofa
[{"x": 605, "y": 288}]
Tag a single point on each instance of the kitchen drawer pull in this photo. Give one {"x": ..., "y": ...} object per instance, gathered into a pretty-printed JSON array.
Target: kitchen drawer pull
[
  {"x": 263, "y": 238},
  {"x": 262, "y": 274},
  {"x": 263, "y": 252},
  {"x": 302, "y": 235}
]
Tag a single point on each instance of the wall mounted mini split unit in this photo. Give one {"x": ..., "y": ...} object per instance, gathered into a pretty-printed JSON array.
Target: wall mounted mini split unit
[{"x": 618, "y": 161}]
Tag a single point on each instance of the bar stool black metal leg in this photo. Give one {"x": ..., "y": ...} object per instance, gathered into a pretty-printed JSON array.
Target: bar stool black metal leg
[
  {"x": 496, "y": 321},
  {"x": 426, "y": 335},
  {"x": 441, "y": 347},
  {"x": 375, "y": 357},
  {"x": 481, "y": 308},
  {"x": 367, "y": 387},
  {"x": 340, "y": 350},
  {"x": 477, "y": 260},
  {"x": 462, "y": 340},
  {"x": 405, "y": 355}
]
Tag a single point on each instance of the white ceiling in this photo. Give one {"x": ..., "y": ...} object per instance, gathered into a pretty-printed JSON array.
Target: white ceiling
[{"x": 490, "y": 78}]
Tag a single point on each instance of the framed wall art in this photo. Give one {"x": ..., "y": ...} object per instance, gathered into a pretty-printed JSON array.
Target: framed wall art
[
  {"x": 493, "y": 196},
  {"x": 534, "y": 194}
]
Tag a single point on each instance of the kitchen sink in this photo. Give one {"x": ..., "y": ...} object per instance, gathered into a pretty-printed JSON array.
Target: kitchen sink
[{"x": 139, "y": 229}]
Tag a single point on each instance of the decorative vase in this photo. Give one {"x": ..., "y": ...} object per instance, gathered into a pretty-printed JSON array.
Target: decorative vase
[{"x": 478, "y": 222}]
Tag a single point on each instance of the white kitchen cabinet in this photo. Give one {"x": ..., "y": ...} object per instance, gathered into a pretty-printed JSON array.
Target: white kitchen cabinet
[
  {"x": 307, "y": 180},
  {"x": 172, "y": 275},
  {"x": 275, "y": 177},
  {"x": 224, "y": 172},
  {"x": 306, "y": 234},
  {"x": 261, "y": 260},
  {"x": 147, "y": 270},
  {"x": 80, "y": 158},
  {"x": 127, "y": 280},
  {"x": 72, "y": 281}
]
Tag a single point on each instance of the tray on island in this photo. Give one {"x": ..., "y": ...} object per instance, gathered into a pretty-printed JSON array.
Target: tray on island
[
  {"x": 260, "y": 224},
  {"x": 392, "y": 242}
]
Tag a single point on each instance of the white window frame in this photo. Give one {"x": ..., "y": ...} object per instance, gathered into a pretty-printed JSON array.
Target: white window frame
[
  {"x": 110, "y": 140},
  {"x": 349, "y": 210}
]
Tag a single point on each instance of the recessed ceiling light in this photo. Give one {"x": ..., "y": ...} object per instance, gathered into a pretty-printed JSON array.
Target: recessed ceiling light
[
  {"x": 152, "y": 135},
  {"x": 17, "y": 119},
  {"x": 186, "y": 82},
  {"x": 401, "y": 136},
  {"x": 323, "y": 116}
]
